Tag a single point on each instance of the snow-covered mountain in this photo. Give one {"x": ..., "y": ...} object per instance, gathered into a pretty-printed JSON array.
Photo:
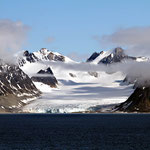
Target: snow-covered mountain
[
  {"x": 67, "y": 86},
  {"x": 112, "y": 56},
  {"x": 76, "y": 89},
  {"x": 41, "y": 55},
  {"x": 32, "y": 63},
  {"x": 16, "y": 88},
  {"x": 35, "y": 63}
]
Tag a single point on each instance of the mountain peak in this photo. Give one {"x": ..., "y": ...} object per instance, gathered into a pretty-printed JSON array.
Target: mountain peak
[
  {"x": 118, "y": 51},
  {"x": 44, "y": 50},
  {"x": 47, "y": 71},
  {"x": 42, "y": 55},
  {"x": 108, "y": 57}
]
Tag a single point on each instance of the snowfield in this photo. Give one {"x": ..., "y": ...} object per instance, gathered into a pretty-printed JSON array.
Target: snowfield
[{"x": 80, "y": 95}]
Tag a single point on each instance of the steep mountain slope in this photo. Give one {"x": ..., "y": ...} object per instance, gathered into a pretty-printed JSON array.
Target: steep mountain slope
[
  {"x": 94, "y": 56},
  {"x": 15, "y": 88},
  {"x": 139, "y": 101}
]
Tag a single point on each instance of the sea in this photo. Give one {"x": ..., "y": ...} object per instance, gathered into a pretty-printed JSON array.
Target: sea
[{"x": 75, "y": 132}]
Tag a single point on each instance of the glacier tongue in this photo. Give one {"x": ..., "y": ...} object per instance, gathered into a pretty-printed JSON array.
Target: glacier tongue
[{"x": 73, "y": 96}]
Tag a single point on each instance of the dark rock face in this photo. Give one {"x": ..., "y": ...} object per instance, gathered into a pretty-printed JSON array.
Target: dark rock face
[
  {"x": 52, "y": 56},
  {"x": 46, "y": 77},
  {"x": 30, "y": 57},
  {"x": 117, "y": 56},
  {"x": 94, "y": 74},
  {"x": 93, "y": 56},
  {"x": 47, "y": 71},
  {"x": 139, "y": 101},
  {"x": 72, "y": 75},
  {"x": 15, "y": 86},
  {"x": 13, "y": 79},
  {"x": 44, "y": 55}
]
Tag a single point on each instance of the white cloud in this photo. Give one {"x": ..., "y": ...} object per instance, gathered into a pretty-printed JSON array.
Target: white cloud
[
  {"x": 130, "y": 68},
  {"x": 136, "y": 40},
  {"x": 12, "y": 37}
]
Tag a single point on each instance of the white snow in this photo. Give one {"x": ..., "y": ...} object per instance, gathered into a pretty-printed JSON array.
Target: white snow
[
  {"x": 43, "y": 87},
  {"x": 141, "y": 59},
  {"x": 41, "y": 54},
  {"x": 72, "y": 96},
  {"x": 28, "y": 100}
]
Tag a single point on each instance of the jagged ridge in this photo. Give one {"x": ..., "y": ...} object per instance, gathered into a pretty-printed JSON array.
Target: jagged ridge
[{"x": 115, "y": 56}]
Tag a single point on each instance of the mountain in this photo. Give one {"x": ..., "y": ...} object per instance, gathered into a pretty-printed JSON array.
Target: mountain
[
  {"x": 76, "y": 90},
  {"x": 41, "y": 72},
  {"x": 33, "y": 63},
  {"x": 112, "y": 56},
  {"x": 41, "y": 55},
  {"x": 16, "y": 88},
  {"x": 139, "y": 101}
]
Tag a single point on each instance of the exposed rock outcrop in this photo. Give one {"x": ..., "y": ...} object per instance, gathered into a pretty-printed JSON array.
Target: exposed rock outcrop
[
  {"x": 94, "y": 74},
  {"x": 46, "y": 77},
  {"x": 93, "y": 56},
  {"x": 41, "y": 55},
  {"x": 27, "y": 56},
  {"x": 72, "y": 75},
  {"x": 15, "y": 86}
]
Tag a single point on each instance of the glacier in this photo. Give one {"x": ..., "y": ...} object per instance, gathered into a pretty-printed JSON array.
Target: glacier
[{"x": 72, "y": 96}]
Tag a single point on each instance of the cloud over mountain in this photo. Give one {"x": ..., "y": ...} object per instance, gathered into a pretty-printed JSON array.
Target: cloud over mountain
[
  {"x": 135, "y": 39},
  {"x": 12, "y": 36}
]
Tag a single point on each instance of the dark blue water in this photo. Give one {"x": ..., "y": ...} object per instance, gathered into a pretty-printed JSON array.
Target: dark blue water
[{"x": 75, "y": 132}]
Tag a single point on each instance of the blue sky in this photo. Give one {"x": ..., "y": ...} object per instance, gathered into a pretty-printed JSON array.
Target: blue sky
[{"x": 73, "y": 23}]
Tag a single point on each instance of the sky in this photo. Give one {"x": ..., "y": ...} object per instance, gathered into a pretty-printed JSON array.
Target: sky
[{"x": 74, "y": 27}]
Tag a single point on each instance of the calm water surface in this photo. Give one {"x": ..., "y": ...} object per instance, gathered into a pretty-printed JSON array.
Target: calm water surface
[{"x": 75, "y": 132}]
